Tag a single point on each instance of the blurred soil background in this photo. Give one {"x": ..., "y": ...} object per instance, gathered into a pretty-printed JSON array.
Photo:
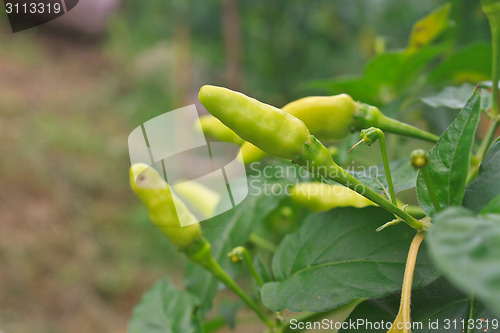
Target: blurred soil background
[{"x": 76, "y": 248}]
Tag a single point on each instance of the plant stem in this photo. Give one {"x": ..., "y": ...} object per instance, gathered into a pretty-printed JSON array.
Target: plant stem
[
  {"x": 492, "y": 10},
  {"x": 471, "y": 313},
  {"x": 483, "y": 149},
  {"x": 397, "y": 127},
  {"x": 488, "y": 138},
  {"x": 369, "y": 136},
  {"x": 405, "y": 305},
  {"x": 200, "y": 253},
  {"x": 316, "y": 158},
  {"x": 364, "y": 190},
  {"x": 369, "y": 116},
  {"x": 242, "y": 252},
  {"x": 430, "y": 189},
  {"x": 263, "y": 243},
  {"x": 387, "y": 169}
]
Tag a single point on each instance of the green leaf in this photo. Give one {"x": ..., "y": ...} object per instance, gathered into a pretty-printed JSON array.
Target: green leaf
[
  {"x": 411, "y": 69},
  {"x": 471, "y": 64},
  {"x": 428, "y": 28},
  {"x": 439, "y": 303},
  {"x": 493, "y": 207},
  {"x": 456, "y": 97},
  {"x": 385, "y": 76},
  {"x": 225, "y": 232},
  {"x": 403, "y": 175},
  {"x": 465, "y": 247},
  {"x": 267, "y": 186},
  {"x": 487, "y": 184},
  {"x": 449, "y": 160},
  {"x": 336, "y": 257},
  {"x": 358, "y": 88},
  {"x": 385, "y": 67},
  {"x": 263, "y": 268},
  {"x": 165, "y": 309}
]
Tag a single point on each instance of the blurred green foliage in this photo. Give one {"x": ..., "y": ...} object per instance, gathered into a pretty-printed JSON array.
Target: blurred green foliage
[{"x": 285, "y": 43}]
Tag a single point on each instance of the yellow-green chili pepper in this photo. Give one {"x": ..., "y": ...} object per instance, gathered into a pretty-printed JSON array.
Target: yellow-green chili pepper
[
  {"x": 281, "y": 134},
  {"x": 201, "y": 198},
  {"x": 155, "y": 193},
  {"x": 213, "y": 127},
  {"x": 321, "y": 197},
  {"x": 328, "y": 118},
  {"x": 251, "y": 153},
  {"x": 269, "y": 128}
]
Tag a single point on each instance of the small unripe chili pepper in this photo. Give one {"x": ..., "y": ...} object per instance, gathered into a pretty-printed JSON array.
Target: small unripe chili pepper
[
  {"x": 269, "y": 128},
  {"x": 155, "y": 193},
  {"x": 321, "y": 197},
  {"x": 214, "y": 128}
]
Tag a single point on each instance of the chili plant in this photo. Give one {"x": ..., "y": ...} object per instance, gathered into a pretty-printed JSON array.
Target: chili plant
[{"x": 341, "y": 248}]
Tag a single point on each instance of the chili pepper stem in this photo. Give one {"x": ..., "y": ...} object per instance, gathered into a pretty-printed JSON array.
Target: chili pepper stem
[
  {"x": 362, "y": 189},
  {"x": 317, "y": 160},
  {"x": 404, "y": 308},
  {"x": 200, "y": 253},
  {"x": 387, "y": 169},
  {"x": 369, "y": 136},
  {"x": 397, "y": 127},
  {"x": 430, "y": 189},
  {"x": 263, "y": 243},
  {"x": 370, "y": 116}
]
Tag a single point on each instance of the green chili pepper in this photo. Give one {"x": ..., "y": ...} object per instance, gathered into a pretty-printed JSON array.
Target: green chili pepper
[
  {"x": 202, "y": 199},
  {"x": 155, "y": 193},
  {"x": 280, "y": 134},
  {"x": 321, "y": 197},
  {"x": 251, "y": 153},
  {"x": 269, "y": 128},
  {"x": 164, "y": 208},
  {"x": 328, "y": 118},
  {"x": 214, "y": 128}
]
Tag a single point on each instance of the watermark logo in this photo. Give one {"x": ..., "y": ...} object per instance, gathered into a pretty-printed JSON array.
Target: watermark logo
[
  {"x": 26, "y": 14},
  {"x": 197, "y": 171}
]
